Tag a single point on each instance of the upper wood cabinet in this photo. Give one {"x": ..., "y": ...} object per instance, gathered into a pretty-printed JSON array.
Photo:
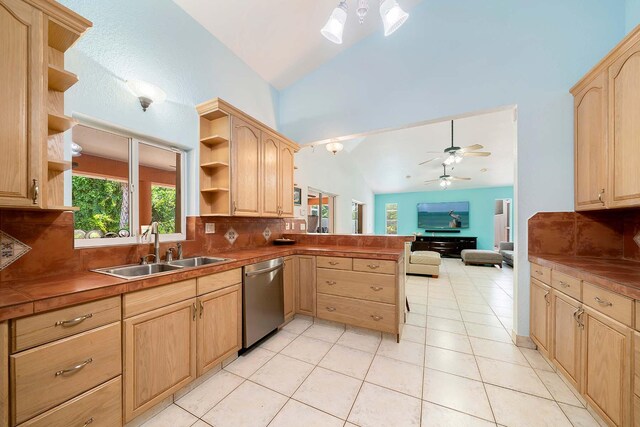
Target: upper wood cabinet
[
  {"x": 607, "y": 136},
  {"x": 34, "y": 36},
  {"x": 246, "y": 168}
]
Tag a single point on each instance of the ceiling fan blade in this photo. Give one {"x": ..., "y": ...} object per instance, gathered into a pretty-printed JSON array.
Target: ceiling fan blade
[
  {"x": 428, "y": 161},
  {"x": 431, "y": 181},
  {"x": 476, "y": 154},
  {"x": 457, "y": 178},
  {"x": 473, "y": 147}
]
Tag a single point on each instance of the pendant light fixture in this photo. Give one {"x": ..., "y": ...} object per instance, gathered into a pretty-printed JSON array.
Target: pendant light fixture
[
  {"x": 334, "y": 147},
  {"x": 390, "y": 11}
]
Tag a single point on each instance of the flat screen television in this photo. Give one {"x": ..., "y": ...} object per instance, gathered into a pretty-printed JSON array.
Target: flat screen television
[{"x": 443, "y": 216}]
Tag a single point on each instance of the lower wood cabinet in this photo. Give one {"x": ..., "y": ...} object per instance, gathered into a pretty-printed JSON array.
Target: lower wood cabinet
[
  {"x": 219, "y": 326},
  {"x": 566, "y": 336},
  {"x": 607, "y": 367},
  {"x": 540, "y": 314},
  {"x": 289, "y": 287},
  {"x": 305, "y": 288},
  {"x": 160, "y": 355}
]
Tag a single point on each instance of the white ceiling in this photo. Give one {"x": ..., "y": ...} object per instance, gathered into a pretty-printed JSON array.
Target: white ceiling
[
  {"x": 385, "y": 159},
  {"x": 280, "y": 39}
]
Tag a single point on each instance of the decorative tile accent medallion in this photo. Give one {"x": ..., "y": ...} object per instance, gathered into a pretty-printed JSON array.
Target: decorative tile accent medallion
[
  {"x": 231, "y": 235},
  {"x": 637, "y": 239},
  {"x": 267, "y": 234},
  {"x": 10, "y": 249}
]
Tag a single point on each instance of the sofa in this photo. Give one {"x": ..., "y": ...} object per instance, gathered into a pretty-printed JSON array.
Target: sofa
[
  {"x": 506, "y": 250},
  {"x": 421, "y": 262}
]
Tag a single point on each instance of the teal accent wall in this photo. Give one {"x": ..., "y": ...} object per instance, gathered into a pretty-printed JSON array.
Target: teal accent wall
[{"x": 481, "y": 210}]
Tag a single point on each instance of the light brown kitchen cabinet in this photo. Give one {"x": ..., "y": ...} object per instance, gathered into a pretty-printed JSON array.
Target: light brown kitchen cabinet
[
  {"x": 566, "y": 335},
  {"x": 607, "y": 367},
  {"x": 259, "y": 181},
  {"x": 159, "y": 356},
  {"x": 36, "y": 34},
  {"x": 246, "y": 168},
  {"x": 590, "y": 146},
  {"x": 607, "y": 138},
  {"x": 219, "y": 326},
  {"x": 540, "y": 314},
  {"x": 305, "y": 285},
  {"x": 289, "y": 274},
  {"x": 624, "y": 110}
]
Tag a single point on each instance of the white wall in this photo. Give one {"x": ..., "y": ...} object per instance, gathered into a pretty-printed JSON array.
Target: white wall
[{"x": 335, "y": 174}]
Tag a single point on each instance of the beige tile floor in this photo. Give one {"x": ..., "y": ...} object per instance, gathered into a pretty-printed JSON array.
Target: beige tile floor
[{"x": 455, "y": 366}]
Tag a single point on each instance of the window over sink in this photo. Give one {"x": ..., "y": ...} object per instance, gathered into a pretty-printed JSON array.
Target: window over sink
[{"x": 121, "y": 184}]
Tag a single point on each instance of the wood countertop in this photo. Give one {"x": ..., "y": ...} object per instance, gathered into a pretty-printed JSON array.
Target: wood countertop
[
  {"x": 619, "y": 275},
  {"x": 21, "y": 298}
]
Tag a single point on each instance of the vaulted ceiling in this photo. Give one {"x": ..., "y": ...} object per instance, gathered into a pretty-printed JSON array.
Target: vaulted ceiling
[{"x": 280, "y": 39}]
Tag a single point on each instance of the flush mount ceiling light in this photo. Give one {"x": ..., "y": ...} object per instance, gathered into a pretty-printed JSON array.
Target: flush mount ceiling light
[
  {"x": 390, "y": 11},
  {"x": 76, "y": 150},
  {"x": 146, "y": 93},
  {"x": 334, "y": 147}
]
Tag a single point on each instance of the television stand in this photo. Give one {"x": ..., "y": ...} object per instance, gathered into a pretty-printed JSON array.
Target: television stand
[{"x": 446, "y": 246}]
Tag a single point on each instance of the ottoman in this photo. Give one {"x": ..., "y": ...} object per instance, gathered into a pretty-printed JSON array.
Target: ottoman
[
  {"x": 422, "y": 262},
  {"x": 481, "y": 257}
]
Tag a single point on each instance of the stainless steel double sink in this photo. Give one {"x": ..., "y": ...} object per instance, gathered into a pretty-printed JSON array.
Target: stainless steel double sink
[{"x": 138, "y": 271}]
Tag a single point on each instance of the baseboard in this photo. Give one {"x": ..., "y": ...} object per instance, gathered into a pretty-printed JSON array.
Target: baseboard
[{"x": 523, "y": 341}]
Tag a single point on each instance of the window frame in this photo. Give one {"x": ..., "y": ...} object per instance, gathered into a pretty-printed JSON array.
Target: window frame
[
  {"x": 134, "y": 201},
  {"x": 386, "y": 217}
]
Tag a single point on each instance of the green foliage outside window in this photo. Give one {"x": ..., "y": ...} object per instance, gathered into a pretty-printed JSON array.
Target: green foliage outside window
[
  {"x": 100, "y": 203},
  {"x": 163, "y": 208}
]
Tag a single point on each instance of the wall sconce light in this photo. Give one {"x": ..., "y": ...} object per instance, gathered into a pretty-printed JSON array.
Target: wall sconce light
[
  {"x": 334, "y": 147},
  {"x": 146, "y": 93}
]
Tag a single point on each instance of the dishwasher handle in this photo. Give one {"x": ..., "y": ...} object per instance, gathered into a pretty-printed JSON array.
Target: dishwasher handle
[{"x": 266, "y": 270}]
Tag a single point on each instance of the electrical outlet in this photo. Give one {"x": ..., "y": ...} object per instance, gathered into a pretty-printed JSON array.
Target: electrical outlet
[
  {"x": 303, "y": 226},
  {"x": 287, "y": 226},
  {"x": 210, "y": 228}
]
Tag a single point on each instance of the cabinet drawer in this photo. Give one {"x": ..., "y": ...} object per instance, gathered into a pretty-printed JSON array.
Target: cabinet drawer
[
  {"x": 541, "y": 273},
  {"x": 356, "y": 284},
  {"x": 38, "y": 377},
  {"x": 150, "y": 299},
  {"x": 374, "y": 266},
  {"x": 213, "y": 282},
  {"x": 46, "y": 327},
  {"x": 337, "y": 263},
  {"x": 613, "y": 305},
  {"x": 567, "y": 284},
  {"x": 99, "y": 407},
  {"x": 366, "y": 314}
]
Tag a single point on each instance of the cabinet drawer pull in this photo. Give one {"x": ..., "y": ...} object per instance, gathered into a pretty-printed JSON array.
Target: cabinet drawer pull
[
  {"x": 333, "y": 263},
  {"x": 376, "y": 288},
  {"x": 331, "y": 282},
  {"x": 73, "y": 322},
  {"x": 546, "y": 298},
  {"x": 576, "y": 316},
  {"x": 195, "y": 311},
  {"x": 36, "y": 191},
  {"x": 75, "y": 368},
  {"x": 201, "y": 308},
  {"x": 603, "y": 302},
  {"x": 539, "y": 273},
  {"x": 89, "y": 421},
  {"x": 600, "y": 194},
  {"x": 331, "y": 309},
  {"x": 373, "y": 266},
  {"x": 376, "y": 317},
  {"x": 564, "y": 285}
]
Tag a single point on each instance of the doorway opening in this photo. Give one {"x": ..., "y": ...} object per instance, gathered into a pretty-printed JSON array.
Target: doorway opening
[
  {"x": 321, "y": 211},
  {"x": 357, "y": 217}
]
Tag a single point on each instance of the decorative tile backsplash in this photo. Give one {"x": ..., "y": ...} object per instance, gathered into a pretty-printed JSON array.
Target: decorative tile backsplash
[
  {"x": 231, "y": 235},
  {"x": 10, "y": 249},
  {"x": 267, "y": 234}
]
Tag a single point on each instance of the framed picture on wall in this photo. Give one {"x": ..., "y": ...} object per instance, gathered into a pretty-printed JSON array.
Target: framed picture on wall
[{"x": 297, "y": 196}]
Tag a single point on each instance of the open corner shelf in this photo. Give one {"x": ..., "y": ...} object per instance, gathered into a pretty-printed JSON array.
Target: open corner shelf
[
  {"x": 214, "y": 139},
  {"x": 60, "y": 80},
  {"x": 214, "y": 190},
  {"x": 59, "y": 165},
  {"x": 217, "y": 114},
  {"x": 58, "y": 123},
  {"x": 214, "y": 165}
]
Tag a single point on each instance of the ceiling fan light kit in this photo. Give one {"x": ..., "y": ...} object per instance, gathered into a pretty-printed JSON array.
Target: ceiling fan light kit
[
  {"x": 334, "y": 147},
  {"x": 393, "y": 17}
]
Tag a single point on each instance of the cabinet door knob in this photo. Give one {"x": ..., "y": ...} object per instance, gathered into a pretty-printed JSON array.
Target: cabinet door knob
[
  {"x": 74, "y": 368},
  {"x": 603, "y": 302},
  {"x": 36, "y": 191}
]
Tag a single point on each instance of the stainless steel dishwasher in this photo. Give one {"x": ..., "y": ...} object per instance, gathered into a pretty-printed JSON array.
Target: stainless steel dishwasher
[{"x": 262, "y": 300}]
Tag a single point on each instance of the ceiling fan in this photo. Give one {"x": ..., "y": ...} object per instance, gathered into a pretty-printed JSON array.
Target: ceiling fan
[
  {"x": 455, "y": 154},
  {"x": 445, "y": 179}
]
